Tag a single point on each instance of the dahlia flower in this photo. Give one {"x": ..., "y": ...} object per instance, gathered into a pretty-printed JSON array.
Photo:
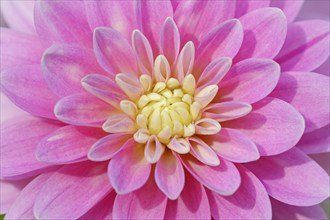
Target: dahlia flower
[{"x": 160, "y": 109}]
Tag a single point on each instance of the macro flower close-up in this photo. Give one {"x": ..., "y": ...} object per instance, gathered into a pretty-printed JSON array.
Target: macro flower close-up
[{"x": 163, "y": 110}]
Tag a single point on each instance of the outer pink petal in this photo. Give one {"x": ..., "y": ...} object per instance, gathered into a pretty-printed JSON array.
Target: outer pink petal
[
  {"x": 22, "y": 208},
  {"x": 245, "y": 6},
  {"x": 68, "y": 144},
  {"x": 259, "y": 38},
  {"x": 193, "y": 22},
  {"x": 249, "y": 81},
  {"x": 8, "y": 110},
  {"x": 282, "y": 211},
  {"x": 290, "y": 8},
  {"x": 224, "y": 40},
  {"x": 25, "y": 86},
  {"x": 9, "y": 191},
  {"x": 78, "y": 188},
  {"x": 108, "y": 146},
  {"x": 113, "y": 52},
  {"x": 79, "y": 109},
  {"x": 306, "y": 46},
  {"x": 62, "y": 21},
  {"x": 233, "y": 146},
  {"x": 250, "y": 201},
  {"x": 317, "y": 141},
  {"x": 293, "y": 178},
  {"x": 129, "y": 170},
  {"x": 118, "y": 15},
  {"x": 150, "y": 16},
  {"x": 102, "y": 210},
  {"x": 64, "y": 65},
  {"x": 169, "y": 175},
  {"x": 23, "y": 136},
  {"x": 309, "y": 93},
  {"x": 18, "y": 48},
  {"x": 273, "y": 125},
  {"x": 223, "y": 179},
  {"x": 145, "y": 203},
  {"x": 103, "y": 88},
  {"x": 192, "y": 203},
  {"x": 19, "y": 15}
]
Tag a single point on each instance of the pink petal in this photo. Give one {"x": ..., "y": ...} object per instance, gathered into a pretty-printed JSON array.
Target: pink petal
[
  {"x": 22, "y": 208},
  {"x": 118, "y": 15},
  {"x": 145, "y": 203},
  {"x": 249, "y": 201},
  {"x": 103, "y": 88},
  {"x": 102, "y": 210},
  {"x": 20, "y": 83},
  {"x": 150, "y": 16},
  {"x": 68, "y": 144},
  {"x": 202, "y": 152},
  {"x": 64, "y": 65},
  {"x": 226, "y": 111},
  {"x": 10, "y": 190},
  {"x": 223, "y": 179},
  {"x": 309, "y": 94},
  {"x": 143, "y": 51},
  {"x": 207, "y": 126},
  {"x": 130, "y": 85},
  {"x": 78, "y": 188},
  {"x": 259, "y": 38},
  {"x": 306, "y": 46},
  {"x": 290, "y": 8},
  {"x": 194, "y": 23},
  {"x": 285, "y": 211},
  {"x": 224, "y": 40},
  {"x": 316, "y": 141},
  {"x": 108, "y": 146},
  {"x": 23, "y": 136},
  {"x": 30, "y": 50},
  {"x": 273, "y": 125},
  {"x": 113, "y": 52},
  {"x": 18, "y": 15},
  {"x": 58, "y": 22},
  {"x": 153, "y": 149},
  {"x": 8, "y": 110},
  {"x": 170, "y": 40},
  {"x": 249, "y": 80},
  {"x": 169, "y": 175},
  {"x": 185, "y": 62},
  {"x": 79, "y": 109},
  {"x": 294, "y": 179},
  {"x": 119, "y": 123},
  {"x": 192, "y": 203},
  {"x": 214, "y": 72},
  {"x": 245, "y": 6},
  {"x": 129, "y": 170},
  {"x": 233, "y": 145}
]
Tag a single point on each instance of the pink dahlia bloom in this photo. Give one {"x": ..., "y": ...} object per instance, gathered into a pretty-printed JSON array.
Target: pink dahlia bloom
[{"x": 160, "y": 109}]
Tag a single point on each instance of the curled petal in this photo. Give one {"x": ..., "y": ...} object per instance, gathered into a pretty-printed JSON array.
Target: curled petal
[
  {"x": 179, "y": 145},
  {"x": 153, "y": 149},
  {"x": 119, "y": 123},
  {"x": 206, "y": 95},
  {"x": 130, "y": 85},
  {"x": 226, "y": 111},
  {"x": 162, "y": 69},
  {"x": 207, "y": 126},
  {"x": 143, "y": 52},
  {"x": 170, "y": 40},
  {"x": 185, "y": 61},
  {"x": 108, "y": 146},
  {"x": 203, "y": 152}
]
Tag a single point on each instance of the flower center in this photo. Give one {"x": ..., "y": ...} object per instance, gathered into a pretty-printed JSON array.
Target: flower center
[{"x": 168, "y": 109}]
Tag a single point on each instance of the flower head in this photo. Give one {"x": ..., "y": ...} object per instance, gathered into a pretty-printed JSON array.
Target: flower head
[{"x": 153, "y": 109}]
